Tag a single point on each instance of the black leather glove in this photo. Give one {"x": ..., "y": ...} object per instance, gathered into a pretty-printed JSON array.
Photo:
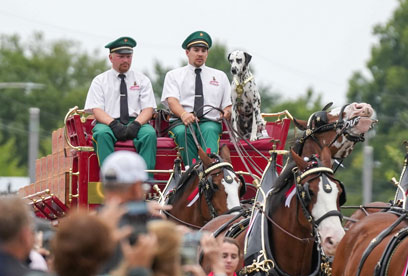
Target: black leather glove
[
  {"x": 119, "y": 130},
  {"x": 132, "y": 130}
]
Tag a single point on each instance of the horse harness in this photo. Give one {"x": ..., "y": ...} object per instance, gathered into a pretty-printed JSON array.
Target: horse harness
[
  {"x": 304, "y": 195},
  {"x": 318, "y": 123},
  {"x": 206, "y": 185},
  {"x": 383, "y": 264}
]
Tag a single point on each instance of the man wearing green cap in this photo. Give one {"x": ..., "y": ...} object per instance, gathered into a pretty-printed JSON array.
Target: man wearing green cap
[
  {"x": 122, "y": 102},
  {"x": 191, "y": 92}
]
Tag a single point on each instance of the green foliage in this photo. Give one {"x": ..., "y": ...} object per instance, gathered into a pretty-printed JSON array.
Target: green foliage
[
  {"x": 302, "y": 107},
  {"x": 8, "y": 162},
  {"x": 217, "y": 58},
  {"x": 159, "y": 73},
  {"x": 60, "y": 66},
  {"x": 385, "y": 89}
]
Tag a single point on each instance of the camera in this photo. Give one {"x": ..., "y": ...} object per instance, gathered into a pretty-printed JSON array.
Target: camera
[
  {"x": 136, "y": 216},
  {"x": 189, "y": 247}
]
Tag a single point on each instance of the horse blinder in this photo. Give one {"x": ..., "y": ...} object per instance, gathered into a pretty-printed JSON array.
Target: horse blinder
[{"x": 243, "y": 188}]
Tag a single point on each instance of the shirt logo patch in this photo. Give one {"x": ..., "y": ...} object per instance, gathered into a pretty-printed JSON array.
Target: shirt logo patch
[
  {"x": 214, "y": 82},
  {"x": 135, "y": 86}
]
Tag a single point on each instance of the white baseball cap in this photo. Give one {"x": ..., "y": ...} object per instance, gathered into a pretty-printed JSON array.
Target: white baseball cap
[{"x": 125, "y": 167}]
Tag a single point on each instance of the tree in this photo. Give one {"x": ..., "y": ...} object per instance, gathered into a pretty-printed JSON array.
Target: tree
[
  {"x": 385, "y": 88},
  {"x": 63, "y": 69}
]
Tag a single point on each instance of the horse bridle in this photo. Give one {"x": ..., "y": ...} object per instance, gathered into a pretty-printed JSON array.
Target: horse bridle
[
  {"x": 206, "y": 185},
  {"x": 320, "y": 118},
  {"x": 304, "y": 196}
]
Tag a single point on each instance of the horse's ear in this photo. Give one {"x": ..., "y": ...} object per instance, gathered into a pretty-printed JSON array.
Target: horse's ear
[
  {"x": 204, "y": 157},
  {"x": 327, "y": 106},
  {"x": 225, "y": 153},
  {"x": 326, "y": 157},
  {"x": 301, "y": 164},
  {"x": 300, "y": 124}
]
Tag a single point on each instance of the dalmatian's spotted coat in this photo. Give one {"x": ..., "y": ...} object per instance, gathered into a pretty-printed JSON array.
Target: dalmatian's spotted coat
[{"x": 246, "y": 100}]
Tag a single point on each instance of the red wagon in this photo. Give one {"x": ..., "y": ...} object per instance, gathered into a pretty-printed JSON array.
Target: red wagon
[{"x": 69, "y": 176}]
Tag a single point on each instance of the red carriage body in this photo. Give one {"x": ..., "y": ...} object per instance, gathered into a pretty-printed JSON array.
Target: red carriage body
[{"x": 69, "y": 177}]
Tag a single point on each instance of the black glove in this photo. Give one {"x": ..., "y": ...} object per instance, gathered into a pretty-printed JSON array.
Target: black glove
[
  {"x": 132, "y": 130},
  {"x": 119, "y": 130}
]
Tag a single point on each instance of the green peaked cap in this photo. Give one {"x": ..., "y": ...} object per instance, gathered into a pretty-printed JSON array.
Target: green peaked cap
[
  {"x": 198, "y": 39},
  {"x": 122, "y": 45}
]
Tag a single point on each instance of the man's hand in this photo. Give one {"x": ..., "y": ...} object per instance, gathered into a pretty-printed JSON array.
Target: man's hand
[
  {"x": 154, "y": 209},
  {"x": 188, "y": 118},
  {"x": 227, "y": 113},
  {"x": 142, "y": 253},
  {"x": 132, "y": 130},
  {"x": 119, "y": 130}
]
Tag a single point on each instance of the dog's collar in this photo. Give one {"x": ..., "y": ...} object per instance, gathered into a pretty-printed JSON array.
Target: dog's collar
[{"x": 240, "y": 86}]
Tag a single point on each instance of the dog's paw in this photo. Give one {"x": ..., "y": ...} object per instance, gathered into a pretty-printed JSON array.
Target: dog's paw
[{"x": 253, "y": 138}]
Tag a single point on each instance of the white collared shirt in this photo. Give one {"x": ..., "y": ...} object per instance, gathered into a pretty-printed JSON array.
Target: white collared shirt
[
  {"x": 180, "y": 84},
  {"x": 104, "y": 93}
]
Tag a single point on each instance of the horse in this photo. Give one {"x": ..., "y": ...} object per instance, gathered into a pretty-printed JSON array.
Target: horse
[
  {"x": 376, "y": 245},
  {"x": 339, "y": 129},
  {"x": 301, "y": 223},
  {"x": 300, "y": 217},
  {"x": 207, "y": 189},
  {"x": 373, "y": 207}
]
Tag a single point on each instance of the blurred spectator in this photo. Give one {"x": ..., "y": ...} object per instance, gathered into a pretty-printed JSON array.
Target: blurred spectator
[
  {"x": 166, "y": 260},
  {"x": 82, "y": 243},
  {"x": 230, "y": 253},
  {"x": 16, "y": 236},
  {"x": 123, "y": 175}
]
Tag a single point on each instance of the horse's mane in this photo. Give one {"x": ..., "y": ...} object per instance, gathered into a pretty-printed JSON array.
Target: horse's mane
[
  {"x": 185, "y": 179},
  {"x": 297, "y": 146},
  {"x": 281, "y": 186}
]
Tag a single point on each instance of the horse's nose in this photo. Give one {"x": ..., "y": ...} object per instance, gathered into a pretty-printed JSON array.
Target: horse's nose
[
  {"x": 330, "y": 245},
  {"x": 364, "y": 109}
]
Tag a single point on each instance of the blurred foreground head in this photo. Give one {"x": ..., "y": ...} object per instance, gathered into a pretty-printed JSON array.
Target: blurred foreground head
[
  {"x": 123, "y": 174},
  {"x": 16, "y": 227},
  {"x": 83, "y": 242},
  {"x": 167, "y": 258}
]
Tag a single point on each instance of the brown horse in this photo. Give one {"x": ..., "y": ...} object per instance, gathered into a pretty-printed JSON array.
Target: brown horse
[
  {"x": 375, "y": 245},
  {"x": 208, "y": 189},
  {"x": 301, "y": 220},
  {"x": 363, "y": 211},
  {"x": 338, "y": 129},
  {"x": 303, "y": 207},
  {"x": 400, "y": 199}
]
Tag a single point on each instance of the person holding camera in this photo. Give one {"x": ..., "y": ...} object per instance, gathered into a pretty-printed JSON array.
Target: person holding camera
[{"x": 123, "y": 175}]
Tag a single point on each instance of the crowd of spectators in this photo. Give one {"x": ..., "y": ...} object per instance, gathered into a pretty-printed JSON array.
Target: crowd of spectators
[{"x": 126, "y": 237}]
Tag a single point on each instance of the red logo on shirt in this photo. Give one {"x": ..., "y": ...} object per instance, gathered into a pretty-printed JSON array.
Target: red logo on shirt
[
  {"x": 214, "y": 82},
  {"x": 135, "y": 86}
]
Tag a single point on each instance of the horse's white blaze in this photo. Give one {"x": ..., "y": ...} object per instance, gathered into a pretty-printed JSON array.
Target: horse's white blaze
[
  {"x": 232, "y": 191},
  {"x": 330, "y": 229}
]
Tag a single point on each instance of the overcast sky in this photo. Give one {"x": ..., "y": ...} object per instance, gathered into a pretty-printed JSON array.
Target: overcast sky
[{"x": 294, "y": 44}]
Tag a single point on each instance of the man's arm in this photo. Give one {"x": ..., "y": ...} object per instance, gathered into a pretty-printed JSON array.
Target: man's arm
[
  {"x": 179, "y": 111},
  {"x": 118, "y": 129},
  {"x": 101, "y": 116},
  {"x": 145, "y": 115}
]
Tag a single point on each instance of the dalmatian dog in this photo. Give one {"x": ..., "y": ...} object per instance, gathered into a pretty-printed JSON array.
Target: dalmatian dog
[{"x": 246, "y": 100}]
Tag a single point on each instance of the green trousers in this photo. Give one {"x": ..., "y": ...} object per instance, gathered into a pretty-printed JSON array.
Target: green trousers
[
  {"x": 211, "y": 133},
  {"x": 145, "y": 143}
]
